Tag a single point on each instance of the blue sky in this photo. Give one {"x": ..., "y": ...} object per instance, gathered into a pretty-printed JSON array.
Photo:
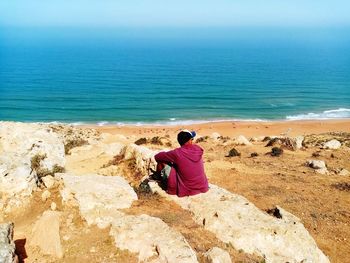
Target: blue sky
[{"x": 175, "y": 13}]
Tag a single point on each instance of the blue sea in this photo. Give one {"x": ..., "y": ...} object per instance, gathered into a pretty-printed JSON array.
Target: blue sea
[{"x": 171, "y": 76}]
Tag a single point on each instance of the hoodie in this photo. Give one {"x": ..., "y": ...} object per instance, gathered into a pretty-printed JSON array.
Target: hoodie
[{"x": 187, "y": 176}]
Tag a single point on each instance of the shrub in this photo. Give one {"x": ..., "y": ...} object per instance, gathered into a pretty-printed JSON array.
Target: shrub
[
  {"x": 73, "y": 143},
  {"x": 141, "y": 141},
  {"x": 233, "y": 152},
  {"x": 254, "y": 154},
  {"x": 276, "y": 151}
]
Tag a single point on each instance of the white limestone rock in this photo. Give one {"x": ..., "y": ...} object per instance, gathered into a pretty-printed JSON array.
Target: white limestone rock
[
  {"x": 332, "y": 144},
  {"x": 316, "y": 164},
  {"x": 241, "y": 140},
  {"x": 344, "y": 172},
  {"x": 113, "y": 149},
  {"x": 49, "y": 181},
  {"x": 19, "y": 142},
  {"x": 215, "y": 135},
  {"x": 46, "y": 235},
  {"x": 45, "y": 195},
  {"x": 299, "y": 142},
  {"x": 217, "y": 255},
  {"x": 152, "y": 239},
  {"x": 236, "y": 221},
  {"x": 98, "y": 197},
  {"x": 7, "y": 245}
]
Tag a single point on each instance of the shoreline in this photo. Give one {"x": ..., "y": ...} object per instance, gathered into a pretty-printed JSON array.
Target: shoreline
[{"x": 233, "y": 128}]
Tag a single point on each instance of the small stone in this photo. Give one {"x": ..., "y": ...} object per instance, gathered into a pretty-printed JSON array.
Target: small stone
[
  {"x": 48, "y": 181},
  {"x": 241, "y": 140},
  {"x": 53, "y": 206},
  {"x": 93, "y": 250},
  {"x": 45, "y": 195},
  {"x": 217, "y": 255},
  {"x": 316, "y": 164},
  {"x": 322, "y": 171},
  {"x": 66, "y": 237}
]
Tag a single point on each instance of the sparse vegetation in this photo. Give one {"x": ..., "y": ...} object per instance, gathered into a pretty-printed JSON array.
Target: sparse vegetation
[
  {"x": 141, "y": 141},
  {"x": 233, "y": 152},
  {"x": 73, "y": 143},
  {"x": 42, "y": 172},
  {"x": 202, "y": 139},
  {"x": 342, "y": 186},
  {"x": 117, "y": 159},
  {"x": 254, "y": 154},
  {"x": 275, "y": 151},
  {"x": 36, "y": 160}
]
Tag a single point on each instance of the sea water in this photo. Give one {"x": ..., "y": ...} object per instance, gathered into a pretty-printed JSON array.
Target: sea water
[{"x": 169, "y": 76}]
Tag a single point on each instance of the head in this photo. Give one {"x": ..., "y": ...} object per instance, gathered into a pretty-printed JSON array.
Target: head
[{"x": 185, "y": 136}]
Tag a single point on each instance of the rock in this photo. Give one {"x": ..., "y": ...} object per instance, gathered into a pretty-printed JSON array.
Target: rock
[
  {"x": 151, "y": 239},
  {"x": 45, "y": 195},
  {"x": 113, "y": 149},
  {"x": 275, "y": 151},
  {"x": 98, "y": 197},
  {"x": 217, "y": 255},
  {"x": 53, "y": 206},
  {"x": 46, "y": 235},
  {"x": 285, "y": 142},
  {"x": 215, "y": 136},
  {"x": 233, "y": 152},
  {"x": 299, "y": 142},
  {"x": 236, "y": 221},
  {"x": 7, "y": 245},
  {"x": 254, "y": 154},
  {"x": 316, "y": 164},
  {"x": 101, "y": 197},
  {"x": 241, "y": 140},
  {"x": 332, "y": 144},
  {"x": 49, "y": 181},
  {"x": 322, "y": 171},
  {"x": 21, "y": 142},
  {"x": 344, "y": 172}
]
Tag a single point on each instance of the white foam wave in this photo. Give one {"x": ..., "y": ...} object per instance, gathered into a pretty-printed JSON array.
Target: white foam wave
[{"x": 341, "y": 113}]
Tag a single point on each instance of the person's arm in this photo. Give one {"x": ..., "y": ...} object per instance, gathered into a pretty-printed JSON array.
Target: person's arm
[{"x": 166, "y": 157}]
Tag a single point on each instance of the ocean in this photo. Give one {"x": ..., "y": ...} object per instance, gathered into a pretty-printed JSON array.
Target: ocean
[{"x": 172, "y": 76}]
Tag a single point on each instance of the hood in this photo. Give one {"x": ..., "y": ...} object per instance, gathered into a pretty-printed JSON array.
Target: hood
[{"x": 192, "y": 152}]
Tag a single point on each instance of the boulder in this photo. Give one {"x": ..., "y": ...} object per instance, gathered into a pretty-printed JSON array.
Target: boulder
[
  {"x": 236, "y": 221},
  {"x": 152, "y": 239},
  {"x": 46, "y": 235},
  {"x": 49, "y": 181},
  {"x": 98, "y": 197},
  {"x": 7, "y": 246},
  {"x": 332, "y": 144},
  {"x": 241, "y": 140},
  {"x": 217, "y": 255},
  {"x": 316, "y": 164}
]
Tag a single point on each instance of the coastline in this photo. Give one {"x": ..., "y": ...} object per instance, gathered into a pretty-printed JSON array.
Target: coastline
[{"x": 233, "y": 128}]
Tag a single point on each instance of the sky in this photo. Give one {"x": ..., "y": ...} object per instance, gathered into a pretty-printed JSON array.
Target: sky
[{"x": 175, "y": 13}]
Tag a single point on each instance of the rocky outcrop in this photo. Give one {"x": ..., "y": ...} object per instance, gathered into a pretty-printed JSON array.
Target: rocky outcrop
[
  {"x": 236, "y": 221},
  {"x": 217, "y": 255},
  {"x": 299, "y": 142},
  {"x": 100, "y": 199},
  {"x": 319, "y": 140},
  {"x": 152, "y": 239},
  {"x": 7, "y": 246},
  {"x": 46, "y": 234},
  {"x": 332, "y": 144},
  {"x": 24, "y": 147}
]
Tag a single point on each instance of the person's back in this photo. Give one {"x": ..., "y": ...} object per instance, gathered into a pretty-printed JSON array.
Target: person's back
[{"x": 187, "y": 176}]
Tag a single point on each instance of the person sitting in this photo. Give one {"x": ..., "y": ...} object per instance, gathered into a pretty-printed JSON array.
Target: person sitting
[{"x": 183, "y": 168}]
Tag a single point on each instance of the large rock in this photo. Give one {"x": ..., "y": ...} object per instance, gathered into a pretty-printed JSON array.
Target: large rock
[
  {"x": 236, "y": 221},
  {"x": 332, "y": 144},
  {"x": 316, "y": 164},
  {"x": 241, "y": 140},
  {"x": 7, "y": 246},
  {"x": 215, "y": 136},
  {"x": 152, "y": 239},
  {"x": 299, "y": 142},
  {"x": 46, "y": 234},
  {"x": 19, "y": 143},
  {"x": 217, "y": 255},
  {"x": 98, "y": 197}
]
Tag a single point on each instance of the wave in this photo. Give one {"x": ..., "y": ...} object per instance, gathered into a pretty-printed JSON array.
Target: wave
[{"x": 341, "y": 113}]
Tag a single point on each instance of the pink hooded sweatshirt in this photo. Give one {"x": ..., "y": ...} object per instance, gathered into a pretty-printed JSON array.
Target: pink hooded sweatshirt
[{"x": 187, "y": 175}]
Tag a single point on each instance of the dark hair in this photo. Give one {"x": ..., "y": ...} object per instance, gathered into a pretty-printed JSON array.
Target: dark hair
[{"x": 183, "y": 137}]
